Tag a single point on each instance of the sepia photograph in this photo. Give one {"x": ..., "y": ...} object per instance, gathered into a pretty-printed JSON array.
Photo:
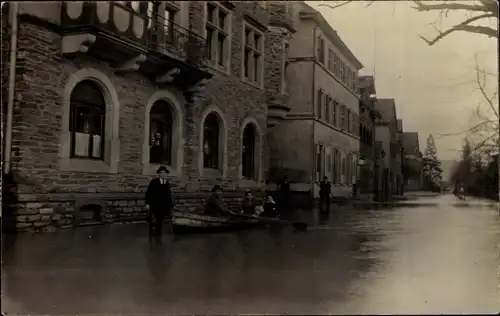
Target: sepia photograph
[{"x": 250, "y": 157}]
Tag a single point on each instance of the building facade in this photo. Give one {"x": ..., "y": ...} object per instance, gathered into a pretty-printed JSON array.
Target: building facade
[
  {"x": 367, "y": 116},
  {"x": 399, "y": 161},
  {"x": 320, "y": 135},
  {"x": 386, "y": 134},
  {"x": 106, "y": 92},
  {"x": 413, "y": 164}
]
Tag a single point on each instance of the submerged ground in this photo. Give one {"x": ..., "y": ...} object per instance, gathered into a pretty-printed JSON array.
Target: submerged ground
[{"x": 441, "y": 256}]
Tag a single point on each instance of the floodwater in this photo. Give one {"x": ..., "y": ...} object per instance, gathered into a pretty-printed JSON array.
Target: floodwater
[{"x": 441, "y": 257}]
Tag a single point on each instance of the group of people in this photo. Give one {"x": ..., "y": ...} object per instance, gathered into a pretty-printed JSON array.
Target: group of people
[{"x": 159, "y": 202}]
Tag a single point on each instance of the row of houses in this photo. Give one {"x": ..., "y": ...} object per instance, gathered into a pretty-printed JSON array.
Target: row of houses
[{"x": 235, "y": 93}]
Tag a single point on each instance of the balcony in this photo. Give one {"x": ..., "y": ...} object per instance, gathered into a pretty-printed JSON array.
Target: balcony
[
  {"x": 134, "y": 38},
  {"x": 281, "y": 14},
  {"x": 253, "y": 10}
]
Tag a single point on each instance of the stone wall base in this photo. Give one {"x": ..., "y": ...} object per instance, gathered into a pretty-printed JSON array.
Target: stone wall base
[{"x": 37, "y": 213}]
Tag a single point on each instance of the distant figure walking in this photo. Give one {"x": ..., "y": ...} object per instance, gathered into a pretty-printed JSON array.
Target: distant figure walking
[
  {"x": 159, "y": 202},
  {"x": 461, "y": 192},
  {"x": 325, "y": 190}
]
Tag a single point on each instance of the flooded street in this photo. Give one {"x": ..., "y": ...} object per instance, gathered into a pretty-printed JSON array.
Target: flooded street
[{"x": 441, "y": 257}]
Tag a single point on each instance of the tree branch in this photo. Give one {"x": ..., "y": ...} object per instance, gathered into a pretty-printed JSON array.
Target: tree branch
[
  {"x": 481, "y": 144},
  {"x": 473, "y": 129},
  {"x": 465, "y": 27},
  {"x": 450, "y": 6},
  {"x": 331, "y": 6},
  {"x": 481, "y": 88}
]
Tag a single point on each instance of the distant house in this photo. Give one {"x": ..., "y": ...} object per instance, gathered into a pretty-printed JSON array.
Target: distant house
[
  {"x": 386, "y": 133},
  {"x": 320, "y": 135},
  {"x": 413, "y": 161}
]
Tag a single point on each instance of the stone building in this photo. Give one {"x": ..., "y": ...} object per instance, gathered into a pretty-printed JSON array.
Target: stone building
[
  {"x": 399, "y": 161},
  {"x": 320, "y": 133},
  {"x": 413, "y": 161},
  {"x": 367, "y": 116},
  {"x": 105, "y": 92},
  {"x": 386, "y": 131}
]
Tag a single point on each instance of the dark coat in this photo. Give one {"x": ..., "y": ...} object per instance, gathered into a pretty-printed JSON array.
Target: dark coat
[
  {"x": 325, "y": 189},
  {"x": 159, "y": 196},
  {"x": 284, "y": 187},
  {"x": 248, "y": 206},
  {"x": 215, "y": 206}
]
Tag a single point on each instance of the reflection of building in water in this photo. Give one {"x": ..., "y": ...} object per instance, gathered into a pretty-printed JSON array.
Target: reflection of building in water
[{"x": 107, "y": 91}]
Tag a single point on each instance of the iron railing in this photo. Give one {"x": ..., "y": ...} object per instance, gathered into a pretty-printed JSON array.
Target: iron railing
[{"x": 167, "y": 36}]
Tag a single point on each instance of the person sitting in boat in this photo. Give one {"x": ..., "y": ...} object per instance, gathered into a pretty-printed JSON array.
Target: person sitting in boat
[
  {"x": 270, "y": 207},
  {"x": 215, "y": 206},
  {"x": 248, "y": 204}
]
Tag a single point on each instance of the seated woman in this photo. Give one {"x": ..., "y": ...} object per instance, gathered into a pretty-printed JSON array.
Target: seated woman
[
  {"x": 215, "y": 206},
  {"x": 248, "y": 204}
]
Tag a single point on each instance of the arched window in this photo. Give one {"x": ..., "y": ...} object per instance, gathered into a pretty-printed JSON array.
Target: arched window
[
  {"x": 211, "y": 135},
  {"x": 87, "y": 119},
  {"x": 160, "y": 132},
  {"x": 248, "y": 151}
]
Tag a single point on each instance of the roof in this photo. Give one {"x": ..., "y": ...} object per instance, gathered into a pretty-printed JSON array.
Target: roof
[
  {"x": 410, "y": 142},
  {"x": 307, "y": 12},
  {"x": 399, "y": 125},
  {"x": 386, "y": 108}
]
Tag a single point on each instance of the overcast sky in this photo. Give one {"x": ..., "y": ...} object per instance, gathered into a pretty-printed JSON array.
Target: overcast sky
[{"x": 434, "y": 86}]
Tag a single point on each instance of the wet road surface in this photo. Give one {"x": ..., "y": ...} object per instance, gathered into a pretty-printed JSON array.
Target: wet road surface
[{"x": 441, "y": 257}]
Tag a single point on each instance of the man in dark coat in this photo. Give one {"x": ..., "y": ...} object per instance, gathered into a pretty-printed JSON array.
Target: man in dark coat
[
  {"x": 284, "y": 194},
  {"x": 159, "y": 201},
  {"x": 325, "y": 190}
]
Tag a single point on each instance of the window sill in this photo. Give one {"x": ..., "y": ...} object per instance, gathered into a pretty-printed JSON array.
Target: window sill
[
  {"x": 86, "y": 165},
  {"x": 254, "y": 84},
  {"x": 151, "y": 168}
]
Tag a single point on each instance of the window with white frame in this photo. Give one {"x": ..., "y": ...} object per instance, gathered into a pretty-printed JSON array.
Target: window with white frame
[
  {"x": 319, "y": 104},
  {"x": 336, "y": 65},
  {"x": 253, "y": 54},
  {"x": 331, "y": 58},
  {"x": 217, "y": 34},
  {"x": 335, "y": 116},
  {"x": 326, "y": 105},
  {"x": 341, "y": 71},
  {"x": 342, "y": 116},
  {"x": 321, "y": 50}
]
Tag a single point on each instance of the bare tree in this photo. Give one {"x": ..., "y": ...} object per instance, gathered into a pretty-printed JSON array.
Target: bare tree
[{"x": 478, "y": 11}]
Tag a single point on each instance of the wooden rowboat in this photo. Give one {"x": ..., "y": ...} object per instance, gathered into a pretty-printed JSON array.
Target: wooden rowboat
[{"x": 186, "y": 222}]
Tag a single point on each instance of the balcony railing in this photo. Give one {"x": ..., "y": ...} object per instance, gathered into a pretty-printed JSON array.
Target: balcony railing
[
  {"x": 165, "y": 36},
  {"x": 134, "y": 24}
]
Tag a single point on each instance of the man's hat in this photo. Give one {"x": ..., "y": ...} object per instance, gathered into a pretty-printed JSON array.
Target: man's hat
[
  {"x": 216, "y": 188},
  {"x": 162, "y": 168}
]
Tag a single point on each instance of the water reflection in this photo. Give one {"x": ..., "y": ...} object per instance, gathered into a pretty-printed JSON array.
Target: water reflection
[{"x": 425, "y": 259}]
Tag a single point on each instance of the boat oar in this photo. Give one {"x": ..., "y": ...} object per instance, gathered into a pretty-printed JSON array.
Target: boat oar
[{"x": 300, "y": 226}]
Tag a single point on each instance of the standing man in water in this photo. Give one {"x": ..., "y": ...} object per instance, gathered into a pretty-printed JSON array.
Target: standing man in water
[
  {"x": 284, "y": 194},
  {"x": 159, "y": 202},
  {"x": 325, "y": 190}
]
